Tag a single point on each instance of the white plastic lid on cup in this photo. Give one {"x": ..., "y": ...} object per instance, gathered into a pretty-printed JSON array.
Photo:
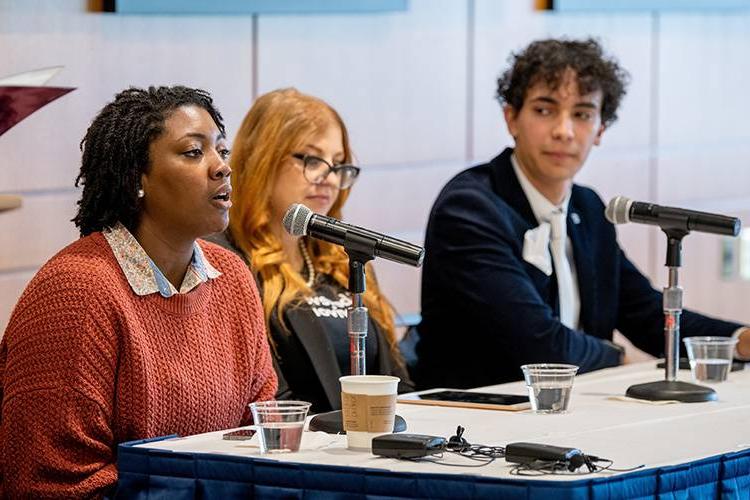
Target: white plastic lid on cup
[
  {"x": 384, "y": 409},
  {"x": 369, "y": 384}
]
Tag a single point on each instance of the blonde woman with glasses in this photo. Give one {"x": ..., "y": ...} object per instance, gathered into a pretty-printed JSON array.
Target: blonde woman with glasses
[{"x": 294, "y": 148}]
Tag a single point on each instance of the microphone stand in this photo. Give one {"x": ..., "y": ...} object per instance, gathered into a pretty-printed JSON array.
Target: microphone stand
[
  {"x": 670, "y": 388},
  {"x": 360, "y": 251},
  {"x": 357, "y": 314}
]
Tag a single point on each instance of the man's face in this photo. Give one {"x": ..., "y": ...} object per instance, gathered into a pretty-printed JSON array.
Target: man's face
[{"x": 554, "y": 131}]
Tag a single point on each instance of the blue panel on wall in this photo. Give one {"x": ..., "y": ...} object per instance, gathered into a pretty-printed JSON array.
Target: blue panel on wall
[
  {"x": 602, "y": 5},
  {"x": 252, "y": 6}
]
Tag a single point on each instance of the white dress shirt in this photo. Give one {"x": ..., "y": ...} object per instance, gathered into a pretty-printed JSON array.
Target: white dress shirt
[{"x": 538, "y": 242}]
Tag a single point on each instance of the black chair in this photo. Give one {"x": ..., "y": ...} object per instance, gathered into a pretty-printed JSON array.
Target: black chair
[{"x": 408, "y": 344}]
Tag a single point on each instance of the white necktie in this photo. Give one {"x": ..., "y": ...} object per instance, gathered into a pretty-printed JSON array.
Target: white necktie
[{"x": 564, "y": 276}]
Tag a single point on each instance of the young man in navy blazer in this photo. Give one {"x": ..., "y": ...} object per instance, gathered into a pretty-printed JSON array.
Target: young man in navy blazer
[{"x": 521, "y": 265}]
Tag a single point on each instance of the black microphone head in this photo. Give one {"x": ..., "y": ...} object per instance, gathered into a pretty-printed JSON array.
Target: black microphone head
[
  {"x": 296, "y": 219},
  {"x": 618, "y": 210}
]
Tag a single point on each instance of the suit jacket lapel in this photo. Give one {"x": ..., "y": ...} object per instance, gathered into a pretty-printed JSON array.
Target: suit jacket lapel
[
  {"x": 506, "y": 185},
  {"x": 318, "y": 347}
]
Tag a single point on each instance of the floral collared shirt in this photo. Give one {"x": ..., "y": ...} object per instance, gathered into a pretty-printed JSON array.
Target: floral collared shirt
[{"x": 142, "y": 273}]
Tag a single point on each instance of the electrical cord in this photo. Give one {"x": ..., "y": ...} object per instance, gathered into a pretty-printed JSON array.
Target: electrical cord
[
  {"x": 486, "y": 455},
  {"x": 438, "y": 459},
  {"x": 457, "y": 444},
  {"x": 568, "y": 467}
]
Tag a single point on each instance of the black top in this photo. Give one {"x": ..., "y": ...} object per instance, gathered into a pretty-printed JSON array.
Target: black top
[
  {"x": 317, "y": 334},
  {"x": 328, "y": 305},
  {"x": 486, "y": 311},
  {"x": 312, "y": 352}
]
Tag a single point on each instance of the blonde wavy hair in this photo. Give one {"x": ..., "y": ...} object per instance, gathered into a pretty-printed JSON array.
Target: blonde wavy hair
[{"x": 279, "y": 124}]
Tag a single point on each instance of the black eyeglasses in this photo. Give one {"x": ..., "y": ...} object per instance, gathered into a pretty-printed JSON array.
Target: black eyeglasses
[{"x": 316, "y": 170}]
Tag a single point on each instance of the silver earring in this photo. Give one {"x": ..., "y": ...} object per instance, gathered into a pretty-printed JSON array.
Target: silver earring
[{"x": 141, "y": 193}]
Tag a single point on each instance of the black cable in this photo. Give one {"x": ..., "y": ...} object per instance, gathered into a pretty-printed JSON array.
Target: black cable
[
  {"x": 483, "y": 450},
  {"x": 437, "y": 461},
  {"x": 611, "y": 462},
  {"x": 477, "y": 452},
  {"x": 485, "y": 455},
  {"x": 565, "y": 468},
  {"x": 546, "y": 468}
]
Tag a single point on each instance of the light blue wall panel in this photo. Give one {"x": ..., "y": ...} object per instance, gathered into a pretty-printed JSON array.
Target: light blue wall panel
[
  {"x": 210, "y": 7},
  {"x": 649, "y": 5}
]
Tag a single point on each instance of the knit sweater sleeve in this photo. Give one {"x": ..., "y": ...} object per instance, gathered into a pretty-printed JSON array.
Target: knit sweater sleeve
[
  {"x": 265, "y": 383},
  {"x": 59, "y": 356}
]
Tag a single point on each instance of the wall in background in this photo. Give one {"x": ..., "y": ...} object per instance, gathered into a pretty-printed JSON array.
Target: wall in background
[{"x": 416, "y": 89}]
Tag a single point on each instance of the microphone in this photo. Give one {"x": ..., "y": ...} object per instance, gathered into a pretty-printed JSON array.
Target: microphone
[
  {"x": 300, "y": 221},
  {"x": 621, "y": 210}
]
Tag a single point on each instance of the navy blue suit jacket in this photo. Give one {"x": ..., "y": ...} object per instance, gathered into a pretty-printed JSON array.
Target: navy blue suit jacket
[{"x": 486, "y": 311}]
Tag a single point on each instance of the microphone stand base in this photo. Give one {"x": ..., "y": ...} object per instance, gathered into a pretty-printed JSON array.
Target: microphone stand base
[
  {"x": 332, "y": 422},
  {"x": 673, "y": 390}
]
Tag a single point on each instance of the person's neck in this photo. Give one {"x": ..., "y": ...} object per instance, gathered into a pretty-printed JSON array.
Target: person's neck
[
  {"x": 290, "y": 245},
  {"x": 554, "y": 192},
  {"x": 171, "y": 255}
]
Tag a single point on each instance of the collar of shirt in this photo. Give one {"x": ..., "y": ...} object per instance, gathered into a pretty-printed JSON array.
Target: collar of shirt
[
  {"x": 142, "y": 273},
  {"x": 541, "y": 206}
]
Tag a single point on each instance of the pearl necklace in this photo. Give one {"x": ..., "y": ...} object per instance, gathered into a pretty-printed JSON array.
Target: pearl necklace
[{"x": 308, "y": 264}]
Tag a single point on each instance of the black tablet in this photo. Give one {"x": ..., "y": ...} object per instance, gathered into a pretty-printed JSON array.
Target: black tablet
[{"x": 468, "y": 399}]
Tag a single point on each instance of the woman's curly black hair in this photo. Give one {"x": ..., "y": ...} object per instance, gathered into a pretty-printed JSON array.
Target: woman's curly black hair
[
  {"x": 115, "y": 152},
  {"x": 547, "y": 61}
]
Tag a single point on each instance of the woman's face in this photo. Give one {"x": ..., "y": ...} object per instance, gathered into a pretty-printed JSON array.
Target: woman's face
[
  {"x": 187, "y": 185},
  {"x": 291, "y": 185}
]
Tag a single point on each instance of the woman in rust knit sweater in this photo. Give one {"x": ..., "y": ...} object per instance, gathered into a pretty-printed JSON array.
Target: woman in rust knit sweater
[{"x": 138, "y": 329}]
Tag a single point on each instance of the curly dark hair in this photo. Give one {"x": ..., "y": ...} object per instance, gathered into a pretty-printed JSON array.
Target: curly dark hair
[
  {"x": 547, "y": 60},
  {"x": 115, "y": 152}
]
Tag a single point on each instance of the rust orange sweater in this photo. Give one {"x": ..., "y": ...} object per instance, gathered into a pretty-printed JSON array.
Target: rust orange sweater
[{"x": 86, "y": 364}]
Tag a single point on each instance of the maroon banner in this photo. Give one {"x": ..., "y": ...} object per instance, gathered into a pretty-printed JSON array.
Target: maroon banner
[{"x": 16, "y": 103}]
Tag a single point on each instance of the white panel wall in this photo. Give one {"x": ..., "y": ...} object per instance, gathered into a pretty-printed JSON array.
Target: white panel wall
[
  {"x": 704, "y": 151},
  {"x": 398, "y": 79},
  {"x": 102, "y": 54},
  {"x": 399, "y": 82},
  {"x": 416, "y": 89}
]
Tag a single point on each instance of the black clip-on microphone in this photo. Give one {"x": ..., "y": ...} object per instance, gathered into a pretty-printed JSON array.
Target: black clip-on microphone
[{"x": 362, "y": 246}]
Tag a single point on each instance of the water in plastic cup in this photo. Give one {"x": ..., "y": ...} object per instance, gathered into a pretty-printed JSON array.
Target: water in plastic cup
[
  {"x": 280, "y": 424},
  {"x": 710, "y": 357},
  {"x": 550, "y": 386},
  {"x": 369, "y": 408}
]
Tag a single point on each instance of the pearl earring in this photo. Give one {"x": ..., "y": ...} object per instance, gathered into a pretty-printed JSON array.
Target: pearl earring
[{"x": 141, "y": 193}]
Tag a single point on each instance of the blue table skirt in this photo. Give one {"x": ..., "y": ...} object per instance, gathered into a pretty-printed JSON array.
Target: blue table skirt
[{"x": 154, "y": 474}]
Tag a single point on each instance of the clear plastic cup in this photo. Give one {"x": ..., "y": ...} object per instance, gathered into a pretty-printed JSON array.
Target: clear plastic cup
[
  {"x": 710, "y": 357},
  {"x": 280, "y": 424},
  {"x": 549, "y": 386}
]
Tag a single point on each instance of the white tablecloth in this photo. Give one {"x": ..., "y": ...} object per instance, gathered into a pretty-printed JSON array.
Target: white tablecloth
[{"x": 629, "y": 433}]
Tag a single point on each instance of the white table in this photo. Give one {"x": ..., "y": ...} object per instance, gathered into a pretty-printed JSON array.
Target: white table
[{"x": 629, "y": 433}]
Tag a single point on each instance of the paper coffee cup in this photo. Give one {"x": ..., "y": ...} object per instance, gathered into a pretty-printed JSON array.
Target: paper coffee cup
[{"x": 368, "y": 403}]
